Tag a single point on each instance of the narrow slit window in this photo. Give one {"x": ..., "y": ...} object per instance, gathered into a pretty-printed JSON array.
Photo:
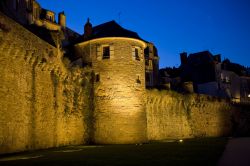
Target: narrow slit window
[
  {"x": 138, "y": 80},
  {"x": 97, "y": 78}
]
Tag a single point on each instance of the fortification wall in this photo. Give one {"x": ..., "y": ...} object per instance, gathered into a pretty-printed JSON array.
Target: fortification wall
[
  {"x": 171, "y": 115},
  {"x": 42, "y": 104},
  {"x": 119, "y": 110}
]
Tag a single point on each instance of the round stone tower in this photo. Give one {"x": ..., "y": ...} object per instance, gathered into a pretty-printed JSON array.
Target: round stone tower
[{"x": 119, "y": 115}]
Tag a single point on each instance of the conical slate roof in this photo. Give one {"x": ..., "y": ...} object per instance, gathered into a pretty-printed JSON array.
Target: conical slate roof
[{"x": 112, "y": 29}]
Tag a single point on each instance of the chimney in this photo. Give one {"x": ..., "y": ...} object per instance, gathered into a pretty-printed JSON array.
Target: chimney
[
  {"x": 62, "y": 19},
  {"x": 183, "y": 57},
  {"x": 87, "y": 30}
]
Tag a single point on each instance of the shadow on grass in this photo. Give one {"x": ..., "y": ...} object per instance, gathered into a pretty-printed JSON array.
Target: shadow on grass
[{"x": 205, "y": 151}]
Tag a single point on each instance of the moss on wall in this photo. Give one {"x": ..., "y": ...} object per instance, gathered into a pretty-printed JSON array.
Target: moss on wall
[{"x": 43, "y": 104}]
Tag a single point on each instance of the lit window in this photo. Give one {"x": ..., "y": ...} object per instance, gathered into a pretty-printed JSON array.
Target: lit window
[{"x": 106, "y": 52}]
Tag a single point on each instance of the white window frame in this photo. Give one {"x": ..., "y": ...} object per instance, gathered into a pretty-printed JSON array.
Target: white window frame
[{"x": 99, "y": 52}]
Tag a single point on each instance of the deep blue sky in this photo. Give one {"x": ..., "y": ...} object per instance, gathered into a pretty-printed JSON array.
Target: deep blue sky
[{"x": 174, "y": 26}]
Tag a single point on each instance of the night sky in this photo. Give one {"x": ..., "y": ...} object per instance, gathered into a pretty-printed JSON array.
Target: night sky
[{"x": 174, "y": 26}]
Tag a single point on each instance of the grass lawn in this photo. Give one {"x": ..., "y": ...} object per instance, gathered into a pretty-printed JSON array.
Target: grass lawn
[{"x": 205, "y": 151}]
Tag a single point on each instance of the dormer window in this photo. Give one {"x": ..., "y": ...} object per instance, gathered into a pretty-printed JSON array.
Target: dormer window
[
  {"x": 50, "y": 16},
  {"x": 105, "y": 52}
]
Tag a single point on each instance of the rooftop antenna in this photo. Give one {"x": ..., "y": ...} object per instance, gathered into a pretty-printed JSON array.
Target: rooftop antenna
[{"x": 119, "y": 18}]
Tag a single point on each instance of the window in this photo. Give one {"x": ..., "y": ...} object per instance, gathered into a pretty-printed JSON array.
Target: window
[
  {"x": 37, "y": 15},
  {"x": 136, "y": 51},
  {"x": 106, "y": 52},
  {"x": 137, "y": 57},
  {"x": 97, "y": 78},
  {"x": 28, "y": 4},
  {"x": 138, "y": 80},
  {"x": 150, "y": 63},
  {"x": 15, "y": 4}
]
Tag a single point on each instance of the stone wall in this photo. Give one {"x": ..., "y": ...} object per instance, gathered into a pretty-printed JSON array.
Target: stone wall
[
  {"x": 171, "y": 115},
  {"x": 42, "y": 103},
  {"x": 119, "y": 110}
]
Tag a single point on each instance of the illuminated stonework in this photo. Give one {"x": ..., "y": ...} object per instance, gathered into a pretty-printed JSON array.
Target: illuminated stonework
[
  {"x": 119, "y": 89},
  {"x": 46, "y": 101}
]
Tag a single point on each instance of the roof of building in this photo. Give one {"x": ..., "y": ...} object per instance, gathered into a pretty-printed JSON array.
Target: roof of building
[
  {"x": 112, "y": 29},
  {"x": 200, "y": 57}
]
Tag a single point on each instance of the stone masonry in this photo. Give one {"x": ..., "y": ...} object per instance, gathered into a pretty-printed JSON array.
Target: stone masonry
[
  {"x": 45, "y": 102},
  {"x": 119, "y": 110}
]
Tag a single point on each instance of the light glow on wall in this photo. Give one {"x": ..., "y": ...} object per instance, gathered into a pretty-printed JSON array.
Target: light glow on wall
[
  {"x": 112, "y": 38},
  {"x": 248, "y": 95}
]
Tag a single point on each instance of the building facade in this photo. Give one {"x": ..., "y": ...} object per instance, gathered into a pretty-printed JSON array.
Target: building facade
[
  {"x": 211, "y": 76},
  {"x": 151, "y": 66},
  {"x": 29, "y": 12}
]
